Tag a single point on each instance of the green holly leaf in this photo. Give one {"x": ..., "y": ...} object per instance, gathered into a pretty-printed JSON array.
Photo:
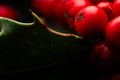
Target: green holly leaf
[
  {"x": 8, "y": 26},
  {"x": 35, "y": 45}
]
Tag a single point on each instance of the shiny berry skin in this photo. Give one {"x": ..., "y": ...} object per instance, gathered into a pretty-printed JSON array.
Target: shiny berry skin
[
  {"x": 8, "y": 12},
  {"x": 116, "y": 8},
  {"x": 90, "y": 22},
  {"x": 113, "y": 33},
  {"x": 107, "y": 7},
  {"x": 69, "y": 4},
  {"x": 77, "y": 6},
  {"x": 73, "y": 8}
]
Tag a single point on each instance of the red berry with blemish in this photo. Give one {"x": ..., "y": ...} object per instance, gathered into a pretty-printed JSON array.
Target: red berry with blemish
[
  {"x": 90, "y": 22},
  {"x": 73, "y": 7}
]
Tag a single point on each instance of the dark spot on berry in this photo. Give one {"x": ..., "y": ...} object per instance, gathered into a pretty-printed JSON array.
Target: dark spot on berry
[{"x": 80, "y": 16}]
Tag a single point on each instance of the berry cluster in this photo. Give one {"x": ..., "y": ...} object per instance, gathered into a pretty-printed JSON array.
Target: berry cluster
[
  {"x": 97, "y": 20},
  {"x": 93, "y": 20}
]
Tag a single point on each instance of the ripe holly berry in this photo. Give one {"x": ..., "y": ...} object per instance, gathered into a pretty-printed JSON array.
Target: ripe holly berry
[
  {"x": 113, "y": 33},
  {"x": 8, "y": 12},
  {"x": 68, "y": 4},
  {"x": 102, "y": 57},
  {"x": 44, "y": 7},
  {"x": 59, "y": 10},
  {"x": 73, "y": 7},
  {"x": 101, "y": 52},
  {"x": 77, "y": 6},
  {"x": 90, "y": 22},
  {"x": 116, "y": 7},
  {"x": 107, "y": 7}
]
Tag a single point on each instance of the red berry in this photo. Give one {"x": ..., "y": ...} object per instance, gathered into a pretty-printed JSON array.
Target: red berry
[
  {"x": 113, "y": 33},
  {"x": 8, "y": 12},
  {"x": 68, "y": 4},
  {"x": 59, "y": 10},
  {"x": 77, "y": 6},
  {"x": 116, "y": 7},
  {"x": 107, "y": 7},
  {"x": 90, "y": 22},
  {"x": 44, "y": 7},
  {"x": 74, "y": 6},
  {"x": 100, "y": 51}
]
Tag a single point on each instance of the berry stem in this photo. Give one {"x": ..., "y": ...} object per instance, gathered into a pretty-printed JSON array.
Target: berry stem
[{"x": 52, "y": 30}]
